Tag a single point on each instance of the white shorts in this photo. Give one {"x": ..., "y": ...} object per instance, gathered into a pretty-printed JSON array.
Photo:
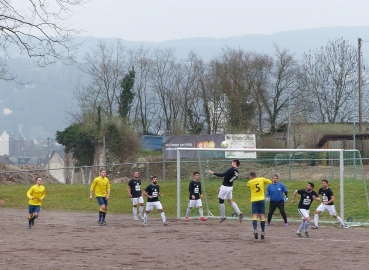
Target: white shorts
[
  {"x": 225, "y": 193},
  {"x": 150, "y": 205},
  {"x": 330, "y": 208},
  {"x": 138, "y": 200},
  {"x": 304, "y": 213},
  {"x": 195, "y": 203}
]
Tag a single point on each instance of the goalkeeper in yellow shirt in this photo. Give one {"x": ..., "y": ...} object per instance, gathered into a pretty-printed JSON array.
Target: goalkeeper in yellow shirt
[
  {"x": 35, "y": 194},
  {"x": 257, "y": 186},
  {"x": 101, "y": 186}
]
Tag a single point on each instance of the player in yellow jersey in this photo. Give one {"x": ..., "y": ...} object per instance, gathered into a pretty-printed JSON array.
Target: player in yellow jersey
[
  {"x": 35, "y": 194},
  {"x": 257, "y": 186},
  {"x": 101, "y": 186}
]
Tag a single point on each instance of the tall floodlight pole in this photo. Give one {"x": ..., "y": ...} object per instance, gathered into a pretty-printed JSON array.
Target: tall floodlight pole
[{"x": 359, "y": 83}]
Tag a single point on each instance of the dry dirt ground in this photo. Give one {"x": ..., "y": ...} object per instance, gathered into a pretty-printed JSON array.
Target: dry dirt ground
[{"x": 63, "y": 240}]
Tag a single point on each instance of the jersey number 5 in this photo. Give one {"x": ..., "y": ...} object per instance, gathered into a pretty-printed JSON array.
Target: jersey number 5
[{"x": 257, "y": 187}]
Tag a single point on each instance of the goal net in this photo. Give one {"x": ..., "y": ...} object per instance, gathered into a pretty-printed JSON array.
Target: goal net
[{"x": 295, "y": 168}]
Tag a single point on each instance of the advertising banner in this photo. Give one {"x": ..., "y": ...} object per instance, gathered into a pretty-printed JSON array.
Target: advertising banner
[
  {"x": 171, "y": 143},
  {"x": 240, "y": 141}
]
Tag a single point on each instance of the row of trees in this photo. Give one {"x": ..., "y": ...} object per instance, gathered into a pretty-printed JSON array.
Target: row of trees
[
  {"x": 237, "y": 90},
  {"x": 151, "y": 91}
]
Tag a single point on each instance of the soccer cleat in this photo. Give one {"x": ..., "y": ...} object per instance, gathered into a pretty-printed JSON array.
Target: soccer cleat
[
  {"x": 141, "y": 217},
  {"x": 286, "y": 224},
  {"x": 203, "y": 219},
  {"x": 262, "y": 235},
  {"x": 29, "y": 226},
  {"x": 165, "y": 223},
  {"x": 187, "y": 219},
  {"x": 99, "y": 222},
  {"x": 267, "y": 224},
  {"x": 256, "y": 234},
  {"x": 145, "y": 223},
  {"x": 315, "y": 227},
  {"x": 298, "y": 234},
  {"x": 222, "y": 219},
  {"x": 344, "y": 227},
  {"x": 241, "y": 217},
  {"x": 135, "y": 218},
  {"x": 307, "y": 234},
  {"x": 102, "y": 223}
]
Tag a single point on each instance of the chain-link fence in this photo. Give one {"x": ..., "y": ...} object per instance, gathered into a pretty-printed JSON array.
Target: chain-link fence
[{"x": 287, "y": 167}]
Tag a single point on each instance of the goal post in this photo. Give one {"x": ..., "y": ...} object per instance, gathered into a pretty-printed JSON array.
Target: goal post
[{"x": 337, "y": 153}]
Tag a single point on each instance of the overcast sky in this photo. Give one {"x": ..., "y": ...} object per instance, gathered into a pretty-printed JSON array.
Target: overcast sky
[{"x": 159, "y": 20}]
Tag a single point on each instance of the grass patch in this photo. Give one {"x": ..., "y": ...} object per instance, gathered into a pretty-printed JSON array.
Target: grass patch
[{"x": 76, "y": 198}]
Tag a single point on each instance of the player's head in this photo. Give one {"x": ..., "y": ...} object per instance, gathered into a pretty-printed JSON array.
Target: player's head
[
  {"x": 324, "y": 183},
  {"x": 310, "y": 186},
  {"x": 252, "y": 175},
  {"x": 102, "y": 172},
  {"x": 196, "y": 176},
  {"x": 136, "y": 174},
  {"x": 154, "y": 179},
  {"x": 275, "y": 179},
  {"x": 235, "y": 163},
  {"x": 38, "y": 180}
]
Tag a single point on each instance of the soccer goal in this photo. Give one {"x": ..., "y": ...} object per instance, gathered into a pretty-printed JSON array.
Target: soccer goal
[{"x": 307, "y": 165}]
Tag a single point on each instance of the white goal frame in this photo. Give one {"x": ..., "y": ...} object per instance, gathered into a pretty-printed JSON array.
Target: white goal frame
[{"x": 341, "y": 167}]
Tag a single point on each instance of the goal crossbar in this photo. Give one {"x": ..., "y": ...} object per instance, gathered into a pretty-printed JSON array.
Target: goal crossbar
[{"x": 341, "y": 167}]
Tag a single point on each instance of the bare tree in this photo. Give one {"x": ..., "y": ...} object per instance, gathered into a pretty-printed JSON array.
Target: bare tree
[
  {"x": 259, "y": 81},
  {"x": 331, "y": 79},
  {"x": 163, "y": 74},
  {"x": 213, "y": 97},
  {"x": 106, "y": 66},
  {"x": 145, "y": 108},
  {"x": 234, "y": 84},
  {"x": 193, "y": 106},
  {"x": 284, "y": 87},
  {"x": 39, "y": 29}
]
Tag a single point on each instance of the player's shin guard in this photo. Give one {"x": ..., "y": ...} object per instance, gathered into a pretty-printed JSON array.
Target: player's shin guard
[
  {"x": 235, "y": 207},
  {"x": 163, "y": 216},
  {"x": 134, "y": 211},
  {"x": 101, "y": 215},
  {"x": 340, "y": 220},
  {"x": 201, "y": 212},
  {"x": 301, "y": 226},
  {"x": 145, "y": 217},
  {"x": 255, "y": 224},
  {"x": 188, "y": 212},
  {"x": 141, "y": 210},
  {"x": 316, "y": 220},
  {"x": 306, "y": 225},
  {"x": 222, "y": 210},
  {"x": 262, "y": 224}
]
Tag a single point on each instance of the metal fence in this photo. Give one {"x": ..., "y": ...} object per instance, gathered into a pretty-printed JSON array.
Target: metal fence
[{"x": 286, "y": 168}]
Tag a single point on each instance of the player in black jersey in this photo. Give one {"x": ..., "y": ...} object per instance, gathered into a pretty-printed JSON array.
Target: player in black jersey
[
  {"x": 327, "y": 204},
  {"x": 226, "y": 189},
  {"x": 135, "y": 193},
  {"x": 152, "y": 192},
  {"x": 195, "y": 197},
  {"x": 307, "y": 197}
]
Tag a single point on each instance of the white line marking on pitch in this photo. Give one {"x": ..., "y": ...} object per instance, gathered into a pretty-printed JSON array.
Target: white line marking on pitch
[{"x": 317, "y": 239}]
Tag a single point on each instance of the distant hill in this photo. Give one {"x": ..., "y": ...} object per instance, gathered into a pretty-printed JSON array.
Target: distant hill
[
  {"x": 38, "y": 107},
  {"x": 298, "y": 41}
]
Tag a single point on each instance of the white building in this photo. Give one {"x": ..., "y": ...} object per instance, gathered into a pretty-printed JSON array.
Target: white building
[{"x": 4, "y": 144}]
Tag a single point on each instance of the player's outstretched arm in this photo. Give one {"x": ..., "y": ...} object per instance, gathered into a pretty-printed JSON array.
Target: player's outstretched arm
[{"x": 294, "y": 196}]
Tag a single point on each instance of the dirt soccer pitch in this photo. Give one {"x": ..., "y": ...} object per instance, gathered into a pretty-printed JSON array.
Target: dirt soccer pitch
[{"x": 71, "y": 240}]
